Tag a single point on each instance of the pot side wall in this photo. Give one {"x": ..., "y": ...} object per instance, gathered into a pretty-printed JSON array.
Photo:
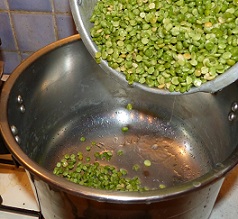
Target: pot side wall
[{"x": 57, "y": 204}]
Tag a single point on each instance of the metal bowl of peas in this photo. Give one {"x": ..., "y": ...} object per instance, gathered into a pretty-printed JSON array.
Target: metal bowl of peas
[
  {"x": 96, "y": 148},
  {"x": 167, "y": 48}
]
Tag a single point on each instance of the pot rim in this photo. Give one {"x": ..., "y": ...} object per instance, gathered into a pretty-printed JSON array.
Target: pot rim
[{"x": 217, "y": 173}]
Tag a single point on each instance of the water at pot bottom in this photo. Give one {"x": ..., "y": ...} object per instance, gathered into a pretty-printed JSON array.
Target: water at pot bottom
[{"x": 176, "y": 155}]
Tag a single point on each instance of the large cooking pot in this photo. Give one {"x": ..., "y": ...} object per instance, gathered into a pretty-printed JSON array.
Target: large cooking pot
[{"x": 60, "y": 94}]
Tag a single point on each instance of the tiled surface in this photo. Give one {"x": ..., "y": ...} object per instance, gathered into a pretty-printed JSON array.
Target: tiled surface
[
  {"x": 6, "y": 32},
  {"x": 29, "y": 40},
  {"x": 28, "y": 25},
  {"x": 11, "y": 60},
  {"x": 64, "y": 24},
  {"x": 29, "y": 5},
  {"x": 61, "y": 5},
  {"x": 24, "y": 55},
  {"x": 3, "y": 4}
]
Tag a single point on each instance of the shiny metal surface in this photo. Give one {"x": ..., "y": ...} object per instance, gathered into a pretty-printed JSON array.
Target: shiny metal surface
[
  {"x": 189, "y": 139},
  {"x": 82, "y": 11}
]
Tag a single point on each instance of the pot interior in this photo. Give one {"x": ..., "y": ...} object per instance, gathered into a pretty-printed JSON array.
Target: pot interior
[{"x": 61, "y": 94}]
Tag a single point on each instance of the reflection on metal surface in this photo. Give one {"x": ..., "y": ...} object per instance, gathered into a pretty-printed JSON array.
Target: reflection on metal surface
[{"x": 122, "y": 117}]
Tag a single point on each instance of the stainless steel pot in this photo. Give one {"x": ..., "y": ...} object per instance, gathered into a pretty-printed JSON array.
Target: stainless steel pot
[{"x": 59, "y": 94}]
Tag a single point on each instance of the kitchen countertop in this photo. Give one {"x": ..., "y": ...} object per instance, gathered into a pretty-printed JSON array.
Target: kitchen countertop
[
  {"x": 16, "y": 191},
  {"x": 226, "y": 206}
]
